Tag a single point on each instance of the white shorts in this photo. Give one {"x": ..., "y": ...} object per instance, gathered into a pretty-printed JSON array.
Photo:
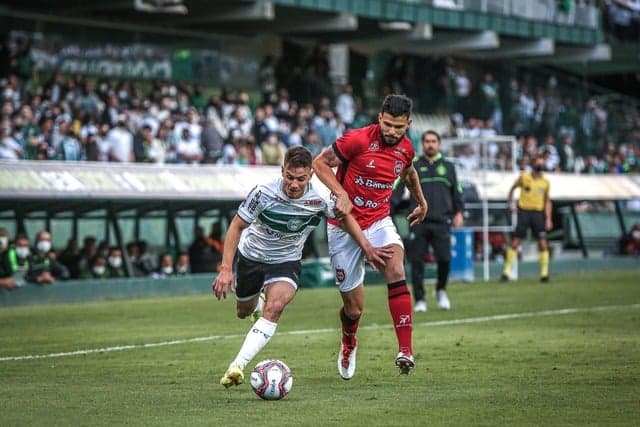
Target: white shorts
[{"x": 347, "y": 257}]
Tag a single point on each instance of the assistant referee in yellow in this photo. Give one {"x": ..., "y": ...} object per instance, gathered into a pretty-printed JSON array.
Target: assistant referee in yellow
[{"x": 534, "y": 212}]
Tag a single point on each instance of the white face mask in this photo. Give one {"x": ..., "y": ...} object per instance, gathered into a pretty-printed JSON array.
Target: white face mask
[
  {"x": 43, "y": 245},
  {"x": 167, "y": 270},
  {"x": 635, "y": 234},
  {"x": 98, "y": 270},
  {"x": 22, "y": 251},
  {"x": 182, "y": 269},
  {"x": 4, "y": 241},
  {"x": 115, "y": 262}
]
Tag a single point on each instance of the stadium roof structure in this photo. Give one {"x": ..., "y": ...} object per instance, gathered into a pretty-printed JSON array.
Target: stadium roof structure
[{"x": 477, "y": 29}]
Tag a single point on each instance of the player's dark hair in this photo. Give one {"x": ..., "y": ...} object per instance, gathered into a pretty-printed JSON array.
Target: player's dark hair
[
  {"x": 298, "y": 157},
  {"x": 397, "y": 105},
  {"x": 430, "y": 132}
]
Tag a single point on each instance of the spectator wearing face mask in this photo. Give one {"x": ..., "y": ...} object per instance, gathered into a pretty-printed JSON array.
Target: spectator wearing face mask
[
  {"x": 43, "y": 269},
  {"x": 19, "y": 256},
  {"x": 182, "y": 264},
  {"x": 6, "y": 268},
  {"x": 165, "y": 266},
  {"x": 98, "y": 269},
  {"x": 114, "y": 263}
]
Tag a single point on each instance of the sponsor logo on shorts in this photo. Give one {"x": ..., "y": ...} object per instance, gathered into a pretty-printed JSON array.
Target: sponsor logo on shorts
[{"x": 340, "y": 275}]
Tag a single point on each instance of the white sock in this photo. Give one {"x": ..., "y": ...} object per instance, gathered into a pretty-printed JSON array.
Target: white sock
[
  {"x": 258, "y": 336},
  {"x": 259, "y": 304}
]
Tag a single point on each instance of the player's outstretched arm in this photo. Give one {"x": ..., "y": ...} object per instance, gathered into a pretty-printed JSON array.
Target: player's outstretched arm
[
  {"x": 376, "y": 257},
  {"x": 322, "y": 166},
  {"x": 224, "y": 281},
  {"x": 412, "y": 182}
]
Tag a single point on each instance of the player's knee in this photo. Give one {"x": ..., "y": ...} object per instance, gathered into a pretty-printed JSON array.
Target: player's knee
[
  {"x": 243, "y": 312},
  {"x": 394, "y": 272},
  {"x": 274, "y": 309},
  {"x": 353, "y": 313}
]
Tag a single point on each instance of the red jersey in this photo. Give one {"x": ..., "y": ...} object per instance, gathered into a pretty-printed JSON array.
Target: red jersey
[{"x": 368, "y": 171}]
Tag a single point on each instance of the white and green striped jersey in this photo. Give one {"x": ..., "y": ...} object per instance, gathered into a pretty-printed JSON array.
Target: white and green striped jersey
[{"x": 280, "y": 225}]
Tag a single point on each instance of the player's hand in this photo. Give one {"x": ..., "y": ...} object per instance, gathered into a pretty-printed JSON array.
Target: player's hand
[
  {"x": 417, "y": 216},
  {"x": 224, "y": 283},
  {"x": 377, "y": 257},
  {"x": 343, "y": 205},
  {"x": 548, "y": 224},
  {"x": 458, "y": 219}
]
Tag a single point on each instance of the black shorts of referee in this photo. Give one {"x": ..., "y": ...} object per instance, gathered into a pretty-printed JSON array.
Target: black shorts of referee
[{"x": 530, "y": 220}]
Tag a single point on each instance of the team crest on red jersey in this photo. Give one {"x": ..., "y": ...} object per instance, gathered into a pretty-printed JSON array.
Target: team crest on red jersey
[
  {"x": 374, "y": 146},
  {"x": 397, "y": 168}
]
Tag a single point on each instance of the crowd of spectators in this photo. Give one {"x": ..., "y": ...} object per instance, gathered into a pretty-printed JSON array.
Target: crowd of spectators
[
  {"x": 74, "y": 118},
  {"x": 39, "y": 263},
  {"x": 82, "y": 118},
  {"x": 574, "y": 138},
  {"x": 621, "y": 18}
]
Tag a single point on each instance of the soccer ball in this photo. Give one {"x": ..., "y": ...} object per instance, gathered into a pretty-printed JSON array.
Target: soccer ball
[{"x": 271, "y": 379}]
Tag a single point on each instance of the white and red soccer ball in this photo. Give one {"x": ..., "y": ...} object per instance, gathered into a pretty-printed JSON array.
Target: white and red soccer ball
[{"x": 271, "y": 379}]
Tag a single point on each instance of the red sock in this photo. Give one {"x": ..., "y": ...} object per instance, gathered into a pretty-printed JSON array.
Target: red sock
[
  {"x": 349, "y": 329},
  {"x": 400, "y": 309}
]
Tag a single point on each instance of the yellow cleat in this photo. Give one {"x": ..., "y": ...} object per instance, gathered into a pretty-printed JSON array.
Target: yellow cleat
[{"x": 233, "y": 376}]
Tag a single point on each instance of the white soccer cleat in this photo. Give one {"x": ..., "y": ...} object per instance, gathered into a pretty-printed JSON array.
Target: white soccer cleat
[
  {"x": 420, "y": 307},
  {"x": 443, "y": 300},
  {"x": 405, "y": 363},
  {"x": 347, "y": 361}
]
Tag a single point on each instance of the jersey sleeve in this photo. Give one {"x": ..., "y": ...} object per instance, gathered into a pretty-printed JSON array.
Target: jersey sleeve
[
  {"x": 347, "y": 146},
  {"x": 330, "y": 206},
  {"x": 252, "y": 205}
]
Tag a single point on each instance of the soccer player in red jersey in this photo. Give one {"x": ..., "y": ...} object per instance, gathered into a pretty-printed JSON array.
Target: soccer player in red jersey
[{"x": 368, "y": 161}]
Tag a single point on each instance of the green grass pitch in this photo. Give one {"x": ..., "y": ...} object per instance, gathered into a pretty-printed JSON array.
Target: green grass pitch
[{"x": 524, "y": 353}]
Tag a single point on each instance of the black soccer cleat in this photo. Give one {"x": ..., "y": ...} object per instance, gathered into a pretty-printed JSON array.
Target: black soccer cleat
[
  {"x": 504, "y": 278},
  {"x": 544, "y": 279}
]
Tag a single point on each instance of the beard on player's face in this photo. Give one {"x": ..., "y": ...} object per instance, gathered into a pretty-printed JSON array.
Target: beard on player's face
[{"x": 392, "y": 129}]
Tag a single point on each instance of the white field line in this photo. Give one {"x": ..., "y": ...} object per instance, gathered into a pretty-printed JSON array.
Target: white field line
[{"x": 482, "y": 319}]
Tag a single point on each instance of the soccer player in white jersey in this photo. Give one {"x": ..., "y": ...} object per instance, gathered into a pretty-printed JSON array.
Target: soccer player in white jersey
[{"x": 269, "y": 232}]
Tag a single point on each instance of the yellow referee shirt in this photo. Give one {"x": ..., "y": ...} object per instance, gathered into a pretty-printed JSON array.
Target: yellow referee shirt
[{"x": 533, "y": 192}]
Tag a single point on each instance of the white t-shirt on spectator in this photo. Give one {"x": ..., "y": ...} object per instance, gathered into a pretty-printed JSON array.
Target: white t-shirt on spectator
[
  {"x": 120, "y": 142},
  {"x": 195, "y": 130},
  {"x": 188, "y": 148}
]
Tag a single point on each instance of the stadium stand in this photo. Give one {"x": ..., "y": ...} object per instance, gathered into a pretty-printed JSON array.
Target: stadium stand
[{"x": 281, "y": 73}]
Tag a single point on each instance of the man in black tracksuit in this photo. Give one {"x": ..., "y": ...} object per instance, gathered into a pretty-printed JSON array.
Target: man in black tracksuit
[{"x": 444, "y": 195}]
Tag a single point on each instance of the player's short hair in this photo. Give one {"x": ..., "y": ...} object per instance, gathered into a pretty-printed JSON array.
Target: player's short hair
[
  {"x": 397, "y": 105},
  {"x": 430, "y": 132},
  {"x": 298, "y": 157}
]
